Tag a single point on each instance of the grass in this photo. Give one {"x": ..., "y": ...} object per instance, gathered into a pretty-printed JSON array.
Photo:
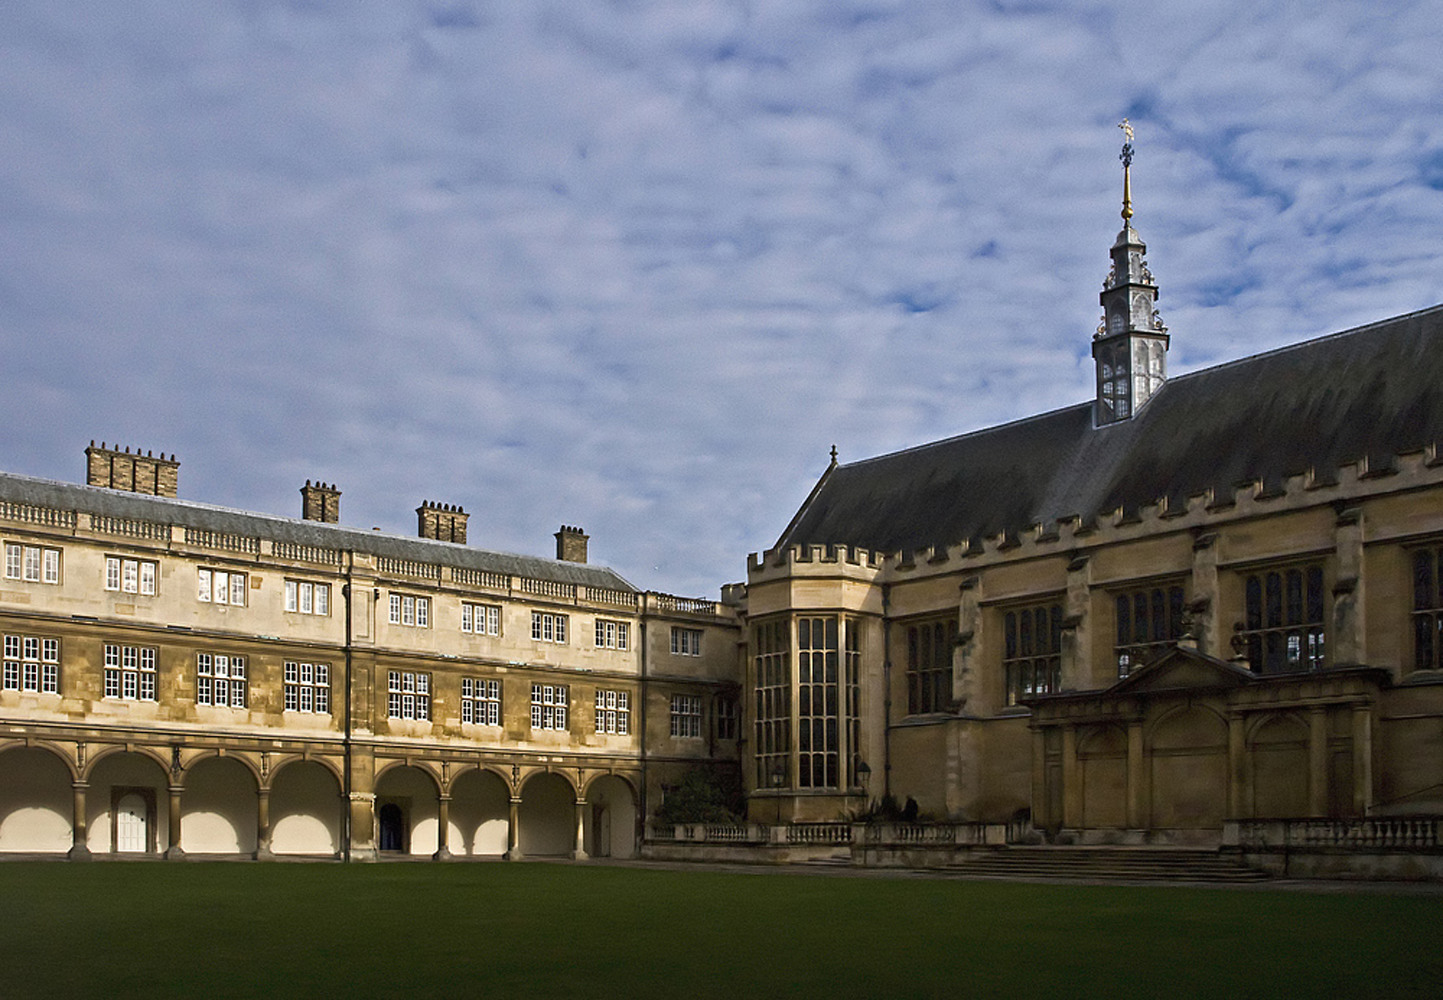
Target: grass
[{"x": 552, "y": 930}]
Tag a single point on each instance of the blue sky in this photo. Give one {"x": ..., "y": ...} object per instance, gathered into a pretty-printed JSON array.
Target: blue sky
[{"x": 637, "y": 266}]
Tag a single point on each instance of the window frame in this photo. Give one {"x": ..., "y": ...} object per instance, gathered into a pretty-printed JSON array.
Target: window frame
[
  {"x": 1426, "y": 615},
  {"x": 221, "y": 680},
  {"x": 1135, "y": 645},
  {"x": 33, "y": 563},
  {"x": 1254, "y": 634},
  {"x": 1029, "y": 670},
  {"x": 408, "y": 695},
  {"x": 307, "y": 687},
  {"x": 549, "y": 626},
  {"x": 613, "y": 712},
  {"x": 222, "y": 587},
  {"x": 929, "y": 664},
  {"x": 307, "y": 597},
  {"x": 130, "y": 672},
  {"x": 473, "y": 612},
  {"x": 685, "y": 641},
  {"x": 481, "y": 701},
  {"x": 612, "y": 633},
  {"x": 31, "y": 663},
  {"x": 132, "y": 575},
  {"x": 550, "y": 704},
  {"x": 687, "y": 716},
  {"x": 409, "y": 610}
]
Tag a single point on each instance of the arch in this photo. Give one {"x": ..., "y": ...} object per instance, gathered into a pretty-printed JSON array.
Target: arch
[
  {"x": 218, "y": 811},
  {"x": 610, "y": 817},
  {"x": 1186, "y": 750},
  {"x": 110, "y": 750},
  {"x": 1278, "y": 757},
  {"x": 36, "y": 800},
  {"x": 480, "y": 813},
  {"x": 1102, "y": 760},
  {"x": 242, "y": 759},
  {"x": 547, "y": 815},
  {"x": 306, "y": 807},
  {"x": 409, "y": 798},
  {"x": 423, "y": 767},
  {"x": 324, "y": 762},
  {"x": 115, "y": 775},
  {"x": 60, "y": 753}
]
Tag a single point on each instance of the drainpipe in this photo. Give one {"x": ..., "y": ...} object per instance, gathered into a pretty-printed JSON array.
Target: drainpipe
[
  {"x": 886, "y": 690},
  {"x": 642, "y": 700},
  {"x": 346, "y": 738}
]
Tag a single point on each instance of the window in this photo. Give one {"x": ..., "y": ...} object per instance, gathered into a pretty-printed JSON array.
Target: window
[
  {"x": 480, "y": 701},
  {"x": 481, "y": 619},
  {"x": 32, "y": 563},
  {"x": 548, "y": 706},
  {"x": 1147, "y": 621},
  {"x": 218, "y": 586},
  {"x": 307, "y": 598},
  {"x": 929, "y": 665},
  {"x": 129, "y": 672},
  {"x": 1032, "y": 651},
  {"x": 32, "y": 663},
  {"x": 1428, "y": 609},
  {"x": 220, "y": 680},
  {"x": 308, "y": 687},
  {"x": 130, "y": 576},
  {"x": 1282, "y": 631},
  {"x": 685, "y": 641},
  {"x": 407, "y": 609},
  {"x": 546, "y": 627},
  {"x": 611, "y": 635},
  {"x": 685, "y": 715},
  {"x": 728, "y": 723},
  {"x": 773, "y": 714},
  {"x": 613, "y": 712},
  {"x": 817, "y": 709},
  {"x": 409, "y": 695}
]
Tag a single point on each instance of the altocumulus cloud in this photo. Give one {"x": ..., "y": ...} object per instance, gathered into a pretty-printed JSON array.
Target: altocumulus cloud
[{"x": 636, "y": 266}]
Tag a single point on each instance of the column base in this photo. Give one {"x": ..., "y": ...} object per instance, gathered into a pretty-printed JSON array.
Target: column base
[
  {"x": 514, "y": 855},
  {"x": 174, "y": 854},
  {"x": 441, "y": 855},
  {"x": 78, "y": 853},
  {"x": 363, "y": 855},
  {"x": 579, "y": 855},
  {"x": 263, "y": 853}
]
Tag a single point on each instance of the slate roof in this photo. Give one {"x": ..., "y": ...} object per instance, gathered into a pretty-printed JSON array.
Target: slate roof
[
  {"x": 166, "y": 510},
  {"x": 1371, "y": 392}
]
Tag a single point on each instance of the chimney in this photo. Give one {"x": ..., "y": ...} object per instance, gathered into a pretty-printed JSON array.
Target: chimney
[
  {"x": 571, "y": 544},
  {"x": 115, "y": 469},
  {"x": 320, "y": 502},
  {"x": 441, "y": 521}
]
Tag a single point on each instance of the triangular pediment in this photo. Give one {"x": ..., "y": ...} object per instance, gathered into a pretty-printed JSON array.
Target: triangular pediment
[{"x": 1181, "y": 668}]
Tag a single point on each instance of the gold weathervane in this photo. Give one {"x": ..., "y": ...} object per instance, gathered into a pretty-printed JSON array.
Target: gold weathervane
[{"x": 1126, "y": 159}]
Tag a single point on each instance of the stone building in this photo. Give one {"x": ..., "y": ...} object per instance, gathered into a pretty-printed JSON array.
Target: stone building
[
  {"x": 180, "y": 678},
  {"x": 1188, "y": 602}
]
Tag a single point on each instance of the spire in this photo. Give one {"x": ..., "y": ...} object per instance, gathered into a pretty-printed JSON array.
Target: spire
[{"x": 1130, "y": 346}]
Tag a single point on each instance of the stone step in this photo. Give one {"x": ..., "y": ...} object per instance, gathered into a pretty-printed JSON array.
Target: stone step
[{"x": 1108, "y": 864}]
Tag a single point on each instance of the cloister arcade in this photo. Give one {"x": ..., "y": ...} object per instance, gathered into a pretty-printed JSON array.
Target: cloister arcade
[{"x": 127, "y": 799}]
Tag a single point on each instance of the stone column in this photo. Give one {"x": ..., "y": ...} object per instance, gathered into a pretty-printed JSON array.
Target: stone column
[
  {"x": 443, "y": 828},
  {"x": 513, "y": 831},
  {"x": 1137, "y": 817},
  {"x": 1317, "y": 762},
  {"x": 1362, "y": 759},
  {"x": 1071, "y": 780},
  {"x": 174, "y": 852},
  {"x": 1237, "y": 767},
  {"x": 1040, "y": 818},
  {"x": 362, "y": 807},
  {"x": 263, "y": 825},
  {"x": 580, "y": 853},
  {"x": 79, "y": 849}
]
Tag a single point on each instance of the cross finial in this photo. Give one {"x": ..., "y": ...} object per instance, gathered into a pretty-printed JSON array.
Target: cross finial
[
  {"x": 834, "y": 454},
  {"x": 1126, "y": 158}
]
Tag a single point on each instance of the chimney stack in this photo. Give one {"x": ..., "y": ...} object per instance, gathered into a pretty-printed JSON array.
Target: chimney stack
[
  {"x": 571, "y": 544},
  {"x": 320, "y": 502},
  {"x": 135, "y": 473},
  {"x": 441, "y": 521}
]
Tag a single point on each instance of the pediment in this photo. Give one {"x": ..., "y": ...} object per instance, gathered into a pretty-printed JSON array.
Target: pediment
[{"x": 1181, "y": 668}]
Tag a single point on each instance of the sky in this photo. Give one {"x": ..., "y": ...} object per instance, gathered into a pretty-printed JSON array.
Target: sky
[{"x": 637, "y": 266}]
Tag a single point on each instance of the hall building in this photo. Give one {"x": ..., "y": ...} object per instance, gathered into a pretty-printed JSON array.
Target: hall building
[
  {"x": 182, "y": 679},
  {"x": 1186, "y": 604}
]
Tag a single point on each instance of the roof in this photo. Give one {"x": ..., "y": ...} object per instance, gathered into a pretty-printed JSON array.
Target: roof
[
  {"x": 1367, "y": 393},
  {"x": 167, "y": 510}
]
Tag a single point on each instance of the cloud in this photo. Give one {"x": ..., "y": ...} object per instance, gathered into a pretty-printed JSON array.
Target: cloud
[{"x": 638, "y": 266}]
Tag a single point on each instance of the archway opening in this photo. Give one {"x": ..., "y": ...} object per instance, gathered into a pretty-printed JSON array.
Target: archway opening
[
  {"x": 218, "y": 808},
  {"x": 406, "y": 812},
  {"x": 480, "y": 814},
  {"x": 610, "y": 819},
  {"x": 35, "y": 802},
  {"x": 305, "y": 810},
  {"x": 547, "y": 816}
]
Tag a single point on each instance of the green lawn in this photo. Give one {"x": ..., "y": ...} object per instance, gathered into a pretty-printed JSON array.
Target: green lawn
[{"x": 543, "y": 930}]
